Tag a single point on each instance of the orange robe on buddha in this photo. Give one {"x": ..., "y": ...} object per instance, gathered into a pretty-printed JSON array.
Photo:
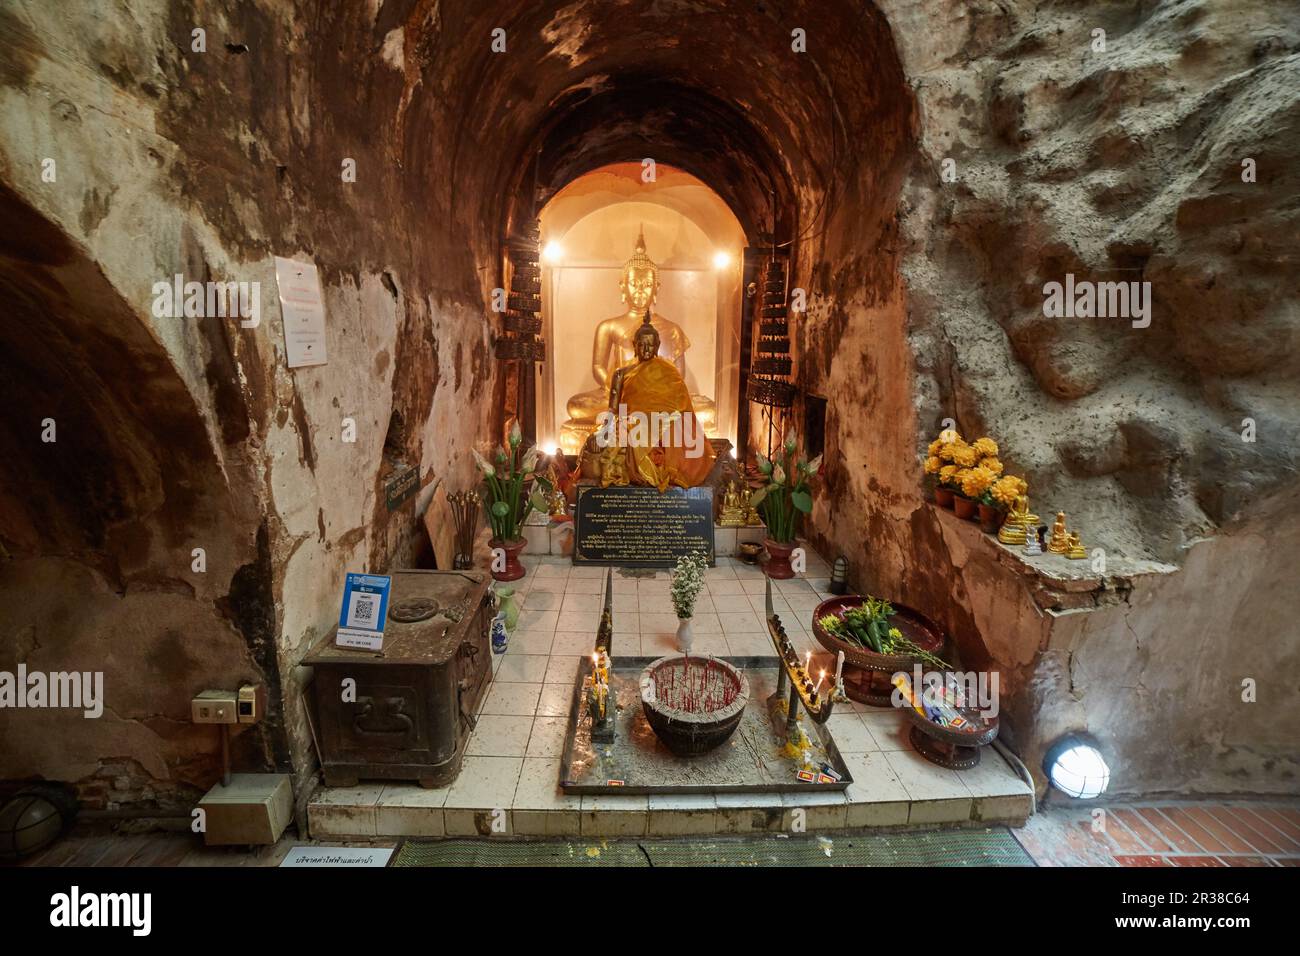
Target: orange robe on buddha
[{"x": 680, "y": 454}]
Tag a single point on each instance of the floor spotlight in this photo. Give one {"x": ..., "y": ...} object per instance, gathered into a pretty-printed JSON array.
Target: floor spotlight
[{"x": 1076, "y": 767}]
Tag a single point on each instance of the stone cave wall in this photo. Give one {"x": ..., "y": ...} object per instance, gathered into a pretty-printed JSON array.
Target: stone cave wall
[
  {"x": 209, "y": 164},
  {"x": 1123, "y": 164}
]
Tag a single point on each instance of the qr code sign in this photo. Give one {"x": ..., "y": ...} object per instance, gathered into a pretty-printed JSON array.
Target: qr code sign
[{"x": 362, "y": 612}]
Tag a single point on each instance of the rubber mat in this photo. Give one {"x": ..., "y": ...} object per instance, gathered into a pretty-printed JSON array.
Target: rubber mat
[{"x": 993, "y": 847}]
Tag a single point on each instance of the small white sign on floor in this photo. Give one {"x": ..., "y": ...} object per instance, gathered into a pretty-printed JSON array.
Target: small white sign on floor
[{"x": 349, "y": 856}]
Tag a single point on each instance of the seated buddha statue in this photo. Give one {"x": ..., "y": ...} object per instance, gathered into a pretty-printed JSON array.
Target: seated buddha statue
[
  {"x": 613, "y": 348},
  {"x": 650, "y": 419}
]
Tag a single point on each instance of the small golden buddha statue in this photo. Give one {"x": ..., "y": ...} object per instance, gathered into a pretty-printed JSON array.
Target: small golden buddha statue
[
  {"x": 613, "y": 348},
  {"x": 1075, "y": 548},
  {"x": 734, "y": 513},
  {"x": 1019, "y": 523},
  {"x": 1058, "y": 542}
]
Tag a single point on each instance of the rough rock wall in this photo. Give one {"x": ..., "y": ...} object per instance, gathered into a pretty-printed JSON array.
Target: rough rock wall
[
  {"x": 207, "y": 164},
  {"x": 1123, "y": 164}
]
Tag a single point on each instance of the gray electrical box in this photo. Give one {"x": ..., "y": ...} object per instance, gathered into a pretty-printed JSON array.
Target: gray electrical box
[{"x": 254, "y": 809}]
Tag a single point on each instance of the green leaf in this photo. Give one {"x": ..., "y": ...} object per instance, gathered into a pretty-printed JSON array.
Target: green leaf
[
  {"x": 802, "y": 500},
  {"x": 500, "y": 509},
  {"x": 757, "y": 498}
]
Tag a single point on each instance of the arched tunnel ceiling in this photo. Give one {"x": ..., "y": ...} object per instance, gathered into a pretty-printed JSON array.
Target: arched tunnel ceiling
[{"x": 712, "y": 87}]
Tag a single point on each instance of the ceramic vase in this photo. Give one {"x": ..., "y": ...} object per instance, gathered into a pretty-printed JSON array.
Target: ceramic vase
[
  {"x": 509, "y": 606},
  {"x": 685, "y": 637}
]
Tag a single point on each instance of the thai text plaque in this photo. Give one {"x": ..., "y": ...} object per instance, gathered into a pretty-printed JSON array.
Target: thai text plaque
[{"x": 641, "y": 527}]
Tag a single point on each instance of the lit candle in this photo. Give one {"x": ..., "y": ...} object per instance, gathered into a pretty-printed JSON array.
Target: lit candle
[
  {"x": 818, "y": 688},
  {"x": 807, "y": 660}
]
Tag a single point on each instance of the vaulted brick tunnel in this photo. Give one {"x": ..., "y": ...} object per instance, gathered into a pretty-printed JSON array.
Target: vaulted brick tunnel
[{"x": 826, "y": 127}]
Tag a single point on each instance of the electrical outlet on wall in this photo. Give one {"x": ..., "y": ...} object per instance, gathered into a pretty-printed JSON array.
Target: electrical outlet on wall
[{"x": 214, "y": 707}]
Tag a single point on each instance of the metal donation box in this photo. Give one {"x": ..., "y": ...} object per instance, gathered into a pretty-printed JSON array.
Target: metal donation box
[{"x": 406, "y": 711}]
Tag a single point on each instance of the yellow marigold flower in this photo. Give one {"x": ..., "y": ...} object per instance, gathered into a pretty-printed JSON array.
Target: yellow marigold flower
[
  {"x": 976, "y": 481},
  {"x": 985, "y": 447},
  {"x": 964, "y": 456},
  {"x": 932, "y": 465},
  {"x": 934, "y": 447},
  {"x": 1007, "y": 489},
  {"x": 947, "y": 474},
  {"x": 993, "y": 465}
]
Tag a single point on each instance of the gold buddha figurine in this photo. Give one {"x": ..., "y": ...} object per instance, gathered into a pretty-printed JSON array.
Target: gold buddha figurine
[
  {"x": 1020, "y": 523},
  {"x": 1075, "y": 548},
  {"x": 613, "y": 348},
  {"x": 735, "y": 506},
  {"x": 1058, "y": 542},
  {"x": 650, "y": 421}
]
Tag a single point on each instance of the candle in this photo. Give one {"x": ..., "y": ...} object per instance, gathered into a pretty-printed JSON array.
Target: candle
[
  {"x": 839, "y": 668},
  {"x": 819, "y": 682},
  {"x": 807, "y": 660}
]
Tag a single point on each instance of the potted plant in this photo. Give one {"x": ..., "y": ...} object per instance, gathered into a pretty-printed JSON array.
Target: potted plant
[
  {"x": 513, "y": 491},
  {"x": 687, "y": 581},
  {"x": 939, "y": 463},
  {"x": 999, "y": 498},
  {"x": 779, "y": 502}
]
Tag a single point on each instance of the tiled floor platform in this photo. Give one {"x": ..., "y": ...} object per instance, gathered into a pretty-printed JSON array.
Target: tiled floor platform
[{"x": 509, "y": 783}]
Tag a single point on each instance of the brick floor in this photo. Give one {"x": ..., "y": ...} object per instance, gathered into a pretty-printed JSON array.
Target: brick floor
[{"x": 1210, "y": 833}]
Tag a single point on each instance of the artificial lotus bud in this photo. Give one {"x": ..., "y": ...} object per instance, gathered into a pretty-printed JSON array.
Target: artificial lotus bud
[
  {"x": 792, "y": 441},
  {"x": 815, "y": 465},
  {"x": 764, "y": 465},
  {"x": 778, "y": 475},
  {"x": 516, "y": 436},
  {"x": 482, "y": 463},
  {"x": 501, "y": 455},
  {"x": 530, "y": 460}
]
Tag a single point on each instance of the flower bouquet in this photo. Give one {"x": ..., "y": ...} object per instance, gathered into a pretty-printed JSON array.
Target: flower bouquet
[{"x": 687, "y": 582}]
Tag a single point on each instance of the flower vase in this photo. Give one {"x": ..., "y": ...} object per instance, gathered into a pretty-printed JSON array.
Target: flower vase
[
  {"x": 685, "y": 637},
  {"x": 509, "y": 606},
  {"x": 991, "y": 517},
  {"x": 778, "y": 559},
  {"x": 964, "y": 507},
  {"x": 513, "y": 569},
  {"x": 943, "y": 497}
]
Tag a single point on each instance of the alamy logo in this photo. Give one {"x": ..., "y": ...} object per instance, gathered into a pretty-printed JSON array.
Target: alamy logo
[
  {"x": 1098, "y": 300},
  {"x": 943, "y": 693},
  {"x": 200, "y": 300},
  {"x": 82, "y": 690},
  {"x": 74, "y": 908},
  {"x": 650, "y": 430}
]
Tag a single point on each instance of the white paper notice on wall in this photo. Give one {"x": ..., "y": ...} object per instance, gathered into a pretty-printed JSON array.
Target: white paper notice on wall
[{"x": 303, "y": 309}]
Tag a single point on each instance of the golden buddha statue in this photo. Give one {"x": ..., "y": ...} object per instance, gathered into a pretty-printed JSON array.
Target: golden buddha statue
[
  {"x": 613, "y": 348},
  {"x": 1058, "y": 542},
  {"x": 650, "y": 420},
  {"x": 1075, "y": 548},
  {"x": 735, "y": 505},
  {"x": 1020, "y": 523}
]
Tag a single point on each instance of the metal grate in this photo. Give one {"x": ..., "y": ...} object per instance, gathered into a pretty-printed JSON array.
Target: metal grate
[{"x": 993, "y": 847}]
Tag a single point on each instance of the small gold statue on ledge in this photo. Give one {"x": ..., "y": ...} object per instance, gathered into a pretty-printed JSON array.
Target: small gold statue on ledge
[
  {"x": 1076, "y": 549},
  {"x": 1019, "y": 524},
  {"x": 1059, "y": 540}
]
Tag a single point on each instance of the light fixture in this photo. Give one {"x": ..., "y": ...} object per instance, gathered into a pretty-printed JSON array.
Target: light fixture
[
  {"x": 549, "y": 449},
  {"x": 553, "y": 252},
  {"x": 839, "y": 576},
  {"x": 1076, "y": 767},
  {"x": 721, "y": 259}
]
